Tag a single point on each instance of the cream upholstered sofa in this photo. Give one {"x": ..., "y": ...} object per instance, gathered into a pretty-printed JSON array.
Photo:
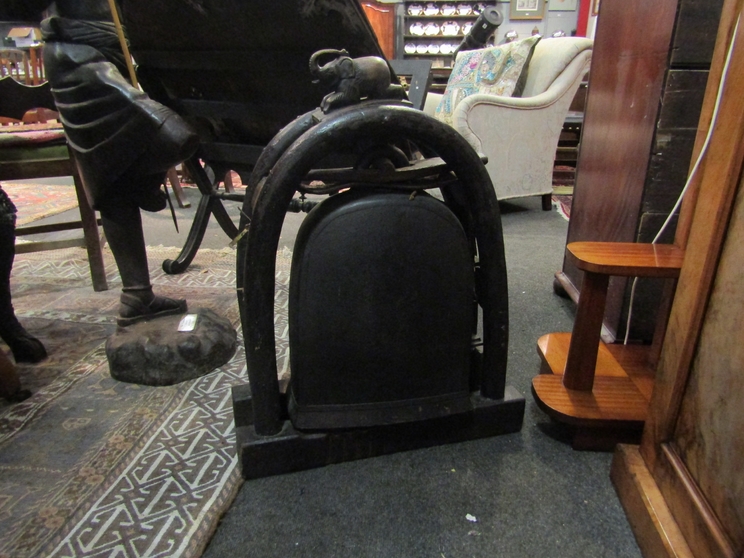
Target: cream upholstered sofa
[{"x": 519, "y": 135}]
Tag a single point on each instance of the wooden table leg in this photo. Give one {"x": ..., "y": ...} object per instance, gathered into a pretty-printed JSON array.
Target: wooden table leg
[
  {"x": 228, "y": 182},
  {"x": 90, "y": 231},
  {"x": 177, "y": 190},
  {"x": 582, "y": 353}
]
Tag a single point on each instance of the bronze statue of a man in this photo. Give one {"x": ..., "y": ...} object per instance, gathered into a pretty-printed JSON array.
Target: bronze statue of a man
[{"x": 123, "y": 141}]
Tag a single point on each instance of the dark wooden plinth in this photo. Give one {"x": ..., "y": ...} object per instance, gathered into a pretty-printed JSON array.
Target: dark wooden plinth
[{"x": 291, "y": 450}]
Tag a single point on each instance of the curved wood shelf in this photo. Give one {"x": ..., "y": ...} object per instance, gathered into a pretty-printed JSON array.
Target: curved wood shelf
[{"x": 627, "y": 259}]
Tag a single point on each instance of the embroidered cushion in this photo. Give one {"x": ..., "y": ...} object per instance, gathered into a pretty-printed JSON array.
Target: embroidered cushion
[{"x": 499, "y": 70}]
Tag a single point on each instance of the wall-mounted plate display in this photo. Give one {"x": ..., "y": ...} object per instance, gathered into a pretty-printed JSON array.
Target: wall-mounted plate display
[{"x": 433, "y": 30}]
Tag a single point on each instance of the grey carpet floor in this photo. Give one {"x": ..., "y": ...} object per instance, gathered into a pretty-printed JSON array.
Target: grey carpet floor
[
  {"x": 529, "y": 494},
  {"x": 521, "y": 495}
]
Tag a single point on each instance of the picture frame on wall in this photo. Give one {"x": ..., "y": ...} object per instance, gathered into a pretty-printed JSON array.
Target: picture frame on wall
[
  {"x": 526, "y": 9},
  {"x": 562, "y": 5},
  {"x": 595, "y": 7}
]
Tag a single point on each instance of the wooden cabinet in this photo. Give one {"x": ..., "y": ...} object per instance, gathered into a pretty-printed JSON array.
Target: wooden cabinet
[
  {"x": 649, "y": 69},
  {"x": 382, "y": 18},
  {"x": 683, "y": 488}
]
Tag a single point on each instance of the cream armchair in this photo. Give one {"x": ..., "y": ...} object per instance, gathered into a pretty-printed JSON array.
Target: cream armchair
[{"x": 519, "y": 135}]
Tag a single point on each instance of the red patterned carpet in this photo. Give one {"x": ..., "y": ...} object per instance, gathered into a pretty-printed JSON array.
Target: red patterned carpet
[
  {"x": 36, "y": 201},
  {"x": 562, "y": 205},
  {"x": 564, "y": 178}
]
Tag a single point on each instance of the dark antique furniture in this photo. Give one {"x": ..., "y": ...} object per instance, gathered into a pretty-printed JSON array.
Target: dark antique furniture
[{"x": 398, "y": 300}]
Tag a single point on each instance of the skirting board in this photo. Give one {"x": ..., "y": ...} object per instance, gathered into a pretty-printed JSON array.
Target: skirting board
[
  {"x": 292, "y": 450},
  {"x": 655, "y": 530}
]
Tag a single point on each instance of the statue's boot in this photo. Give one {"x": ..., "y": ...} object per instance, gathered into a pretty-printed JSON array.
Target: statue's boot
[
  {"x": 173, "y": 143},
  {"x": 24, "y": 346},
  {"x": 136, "y": 305},
  {"x": 122, "y": 224}
]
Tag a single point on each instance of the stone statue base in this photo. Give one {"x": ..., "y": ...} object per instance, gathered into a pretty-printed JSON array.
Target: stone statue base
[{"x": 156, "y": 353}]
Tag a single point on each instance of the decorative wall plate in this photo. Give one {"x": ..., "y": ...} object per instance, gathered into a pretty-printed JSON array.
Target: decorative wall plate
[
  {"x": 448, "y": 9},
  {"x": 415, "y": 9},
  {"x": 450, "y": 28},
  {"x": 416, "y": 28},
  {"x": 431, "y": 29},
  {"x": 464, "y": 9},
  {"x": 431, "y": 9}
]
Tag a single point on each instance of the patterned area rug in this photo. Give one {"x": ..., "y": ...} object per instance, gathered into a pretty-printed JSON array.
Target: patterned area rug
[
  {"x": 90, "y": 466},
  {"x": 562, "y": 198},
  {"x": 36, "y": 201},
  {"x": 562, "y": 205}
]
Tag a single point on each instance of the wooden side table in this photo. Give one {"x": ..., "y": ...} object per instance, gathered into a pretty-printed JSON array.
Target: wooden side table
[{"x": 601, "y": 389}]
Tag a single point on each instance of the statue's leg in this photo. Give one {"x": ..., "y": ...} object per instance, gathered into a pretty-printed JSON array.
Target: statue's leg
[
  {"x": 25, "y": 347},
  {"x": 122, "y": 224}
]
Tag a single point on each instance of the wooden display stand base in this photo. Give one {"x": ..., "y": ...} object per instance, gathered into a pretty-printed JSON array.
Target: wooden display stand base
[{"x": 602, "y": 390}]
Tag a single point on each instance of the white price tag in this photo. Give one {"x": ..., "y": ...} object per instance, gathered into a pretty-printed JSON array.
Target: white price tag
[{"x": 188, "y": 322}]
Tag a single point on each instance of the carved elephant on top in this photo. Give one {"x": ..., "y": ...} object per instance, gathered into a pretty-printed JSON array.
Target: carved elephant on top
[{"x": 353, "y": 79}]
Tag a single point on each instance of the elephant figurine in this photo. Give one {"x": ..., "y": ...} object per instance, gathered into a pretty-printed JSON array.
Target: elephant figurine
[{"x": 353, "y": 79}]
